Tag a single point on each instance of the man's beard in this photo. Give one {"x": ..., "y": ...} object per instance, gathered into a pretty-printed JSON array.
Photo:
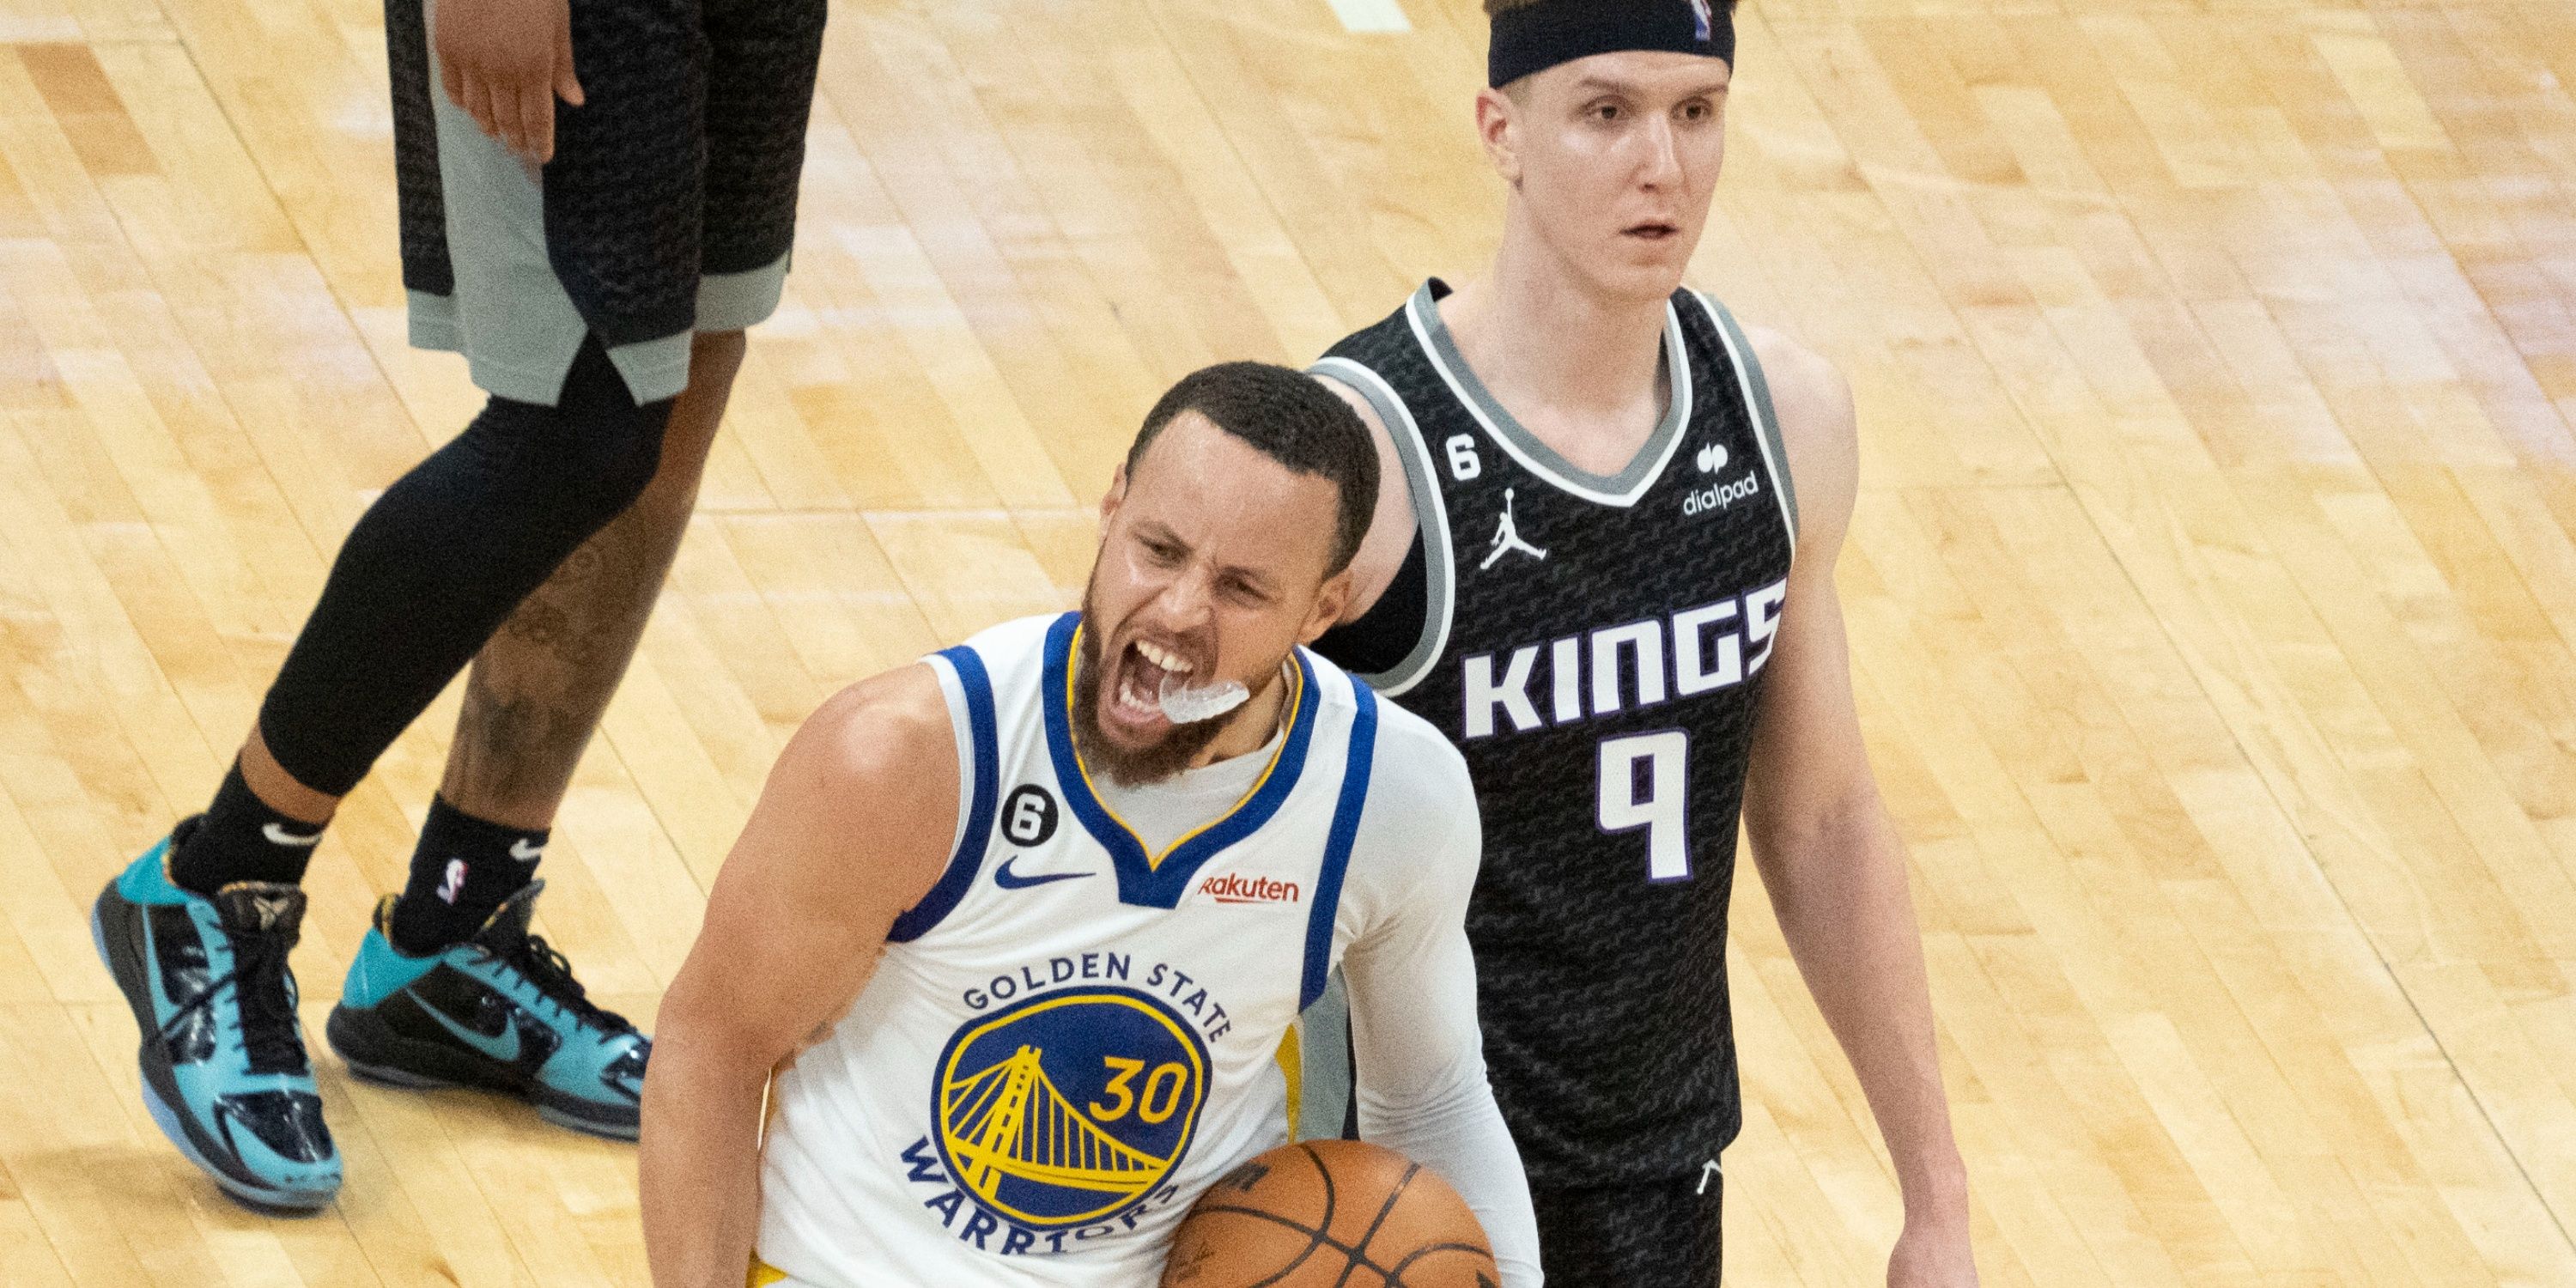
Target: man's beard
[
  {"x": 1137, "y": 767},
  {"x": 1159, "y": 761}
]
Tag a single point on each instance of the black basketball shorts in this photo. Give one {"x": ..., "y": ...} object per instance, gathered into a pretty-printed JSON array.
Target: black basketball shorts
[
  {"x": 669, "y": 207},
  {"x": 1663, "y": 1234}
]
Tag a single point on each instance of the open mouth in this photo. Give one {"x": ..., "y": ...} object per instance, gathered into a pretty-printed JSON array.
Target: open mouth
[
  {"x": 1651, "y": 230},
  {"x": 1136, "y": 699}
]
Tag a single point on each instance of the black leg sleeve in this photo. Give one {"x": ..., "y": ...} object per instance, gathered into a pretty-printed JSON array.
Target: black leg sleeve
[{"x": 443, "y": 557}]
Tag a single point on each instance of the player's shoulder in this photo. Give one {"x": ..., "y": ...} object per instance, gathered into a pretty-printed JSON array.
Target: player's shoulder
[
  {"x": 1805, "y": 384},
  {"x": 1410, "y": 761},
  {"x": 1419, "y": 833},
  {"x": 1796, "y": 373},
  {"x": 1812, "y": 403},
  {"x": 870, "y": 778},
  {"x": 1402, "y": 734},
  {"x": 875, "y": 729}
]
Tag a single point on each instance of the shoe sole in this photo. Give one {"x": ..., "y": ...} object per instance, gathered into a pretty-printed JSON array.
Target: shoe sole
[
  {"x": 131, "y": 981},
  {"x": 377, "y": 1054}
]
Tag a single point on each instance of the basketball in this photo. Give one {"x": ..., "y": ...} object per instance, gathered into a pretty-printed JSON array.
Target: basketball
[{"x": 1331, "y": 1214}]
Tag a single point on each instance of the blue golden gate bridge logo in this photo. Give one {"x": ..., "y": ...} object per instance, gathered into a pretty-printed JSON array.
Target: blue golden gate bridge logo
[{"x": 1069, "y": 1107}]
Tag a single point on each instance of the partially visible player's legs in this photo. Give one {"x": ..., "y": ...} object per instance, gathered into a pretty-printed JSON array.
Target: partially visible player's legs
[
  {"x": 1666, "y": 1233},
  {"x": 670, "y": 201},
  {"x": 532, "y": 701},
  {"x": 197, "y": 931},
  {"x": 539, "y": 687}
]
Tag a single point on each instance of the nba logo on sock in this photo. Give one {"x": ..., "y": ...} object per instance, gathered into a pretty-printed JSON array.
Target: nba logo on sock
[
  {"x": 1700, "y": 14},
  {"x": 455, "y": 881}
]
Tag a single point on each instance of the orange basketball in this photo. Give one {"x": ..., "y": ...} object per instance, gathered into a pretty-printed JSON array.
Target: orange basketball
[{"x": 1331, "y": 1214}]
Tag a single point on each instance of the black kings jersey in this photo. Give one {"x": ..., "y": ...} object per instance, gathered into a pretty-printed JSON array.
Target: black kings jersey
[{"x": 1595, "y": 645}]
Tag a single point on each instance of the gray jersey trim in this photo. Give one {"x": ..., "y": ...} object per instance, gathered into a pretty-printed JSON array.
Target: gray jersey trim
[
  {"x": 1766, "y": 422},
  {"x": 1326, "y": 1081},
  {"x": 1430, "y": 518},
  {"x": 1621, "y": 489}
]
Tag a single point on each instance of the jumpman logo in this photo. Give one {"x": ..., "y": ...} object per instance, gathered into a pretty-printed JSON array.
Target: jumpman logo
[
  {"x": 1701, "y": 15},
  {"x": 1508, "y": 538}
]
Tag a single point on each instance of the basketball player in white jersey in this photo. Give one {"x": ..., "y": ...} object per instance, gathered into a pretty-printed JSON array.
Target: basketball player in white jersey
[
  {"x": 1646, "y": 648},
  {"x": 1028, "y": 922}
]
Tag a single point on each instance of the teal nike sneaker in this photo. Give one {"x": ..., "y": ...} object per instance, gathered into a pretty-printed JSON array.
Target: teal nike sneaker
[
  {"x": 224, "y": 1070},
  {"x": 500, "y": 1011}
]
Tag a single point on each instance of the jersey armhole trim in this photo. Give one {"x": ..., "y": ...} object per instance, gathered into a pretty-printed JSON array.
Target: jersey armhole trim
[
  {"x": 1757, "y": 397},
  {"x": 1430, "y": 522},
  {"x": 1337, "y": 845},
  {"x": 969, "y": 689}
]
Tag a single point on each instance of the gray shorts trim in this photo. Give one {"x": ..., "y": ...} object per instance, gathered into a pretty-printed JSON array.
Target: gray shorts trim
[
  {"x": 497, "y": 353},
  {"x": 510, "y": 316}
]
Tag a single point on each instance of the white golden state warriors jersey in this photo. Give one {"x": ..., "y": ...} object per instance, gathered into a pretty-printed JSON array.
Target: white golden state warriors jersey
[{"x": 1070, "y": 1037}]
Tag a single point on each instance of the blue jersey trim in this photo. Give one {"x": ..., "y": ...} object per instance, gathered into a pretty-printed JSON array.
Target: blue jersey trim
[
  {"x": 1337, "y": 846},
  {"x": 985, "y": 775},
  {"x": 1143, "y": 880}
]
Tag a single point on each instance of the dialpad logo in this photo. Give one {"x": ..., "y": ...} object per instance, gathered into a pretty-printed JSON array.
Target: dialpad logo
[
  {"x": 1719, "y": 496},
  {"x": 1069, "y": 1108}
]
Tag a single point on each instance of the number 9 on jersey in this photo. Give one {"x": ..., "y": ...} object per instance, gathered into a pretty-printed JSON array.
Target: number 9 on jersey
[{"x": 1645, "y": 783}]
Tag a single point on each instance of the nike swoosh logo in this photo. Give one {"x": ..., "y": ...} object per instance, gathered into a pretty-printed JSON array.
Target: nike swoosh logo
[
  {"x": 504, "y": 1048},
  {"x": 276, "y": 835},
  {"x": 1009, "y": 880},
  {"x": 526, "y": 853}
]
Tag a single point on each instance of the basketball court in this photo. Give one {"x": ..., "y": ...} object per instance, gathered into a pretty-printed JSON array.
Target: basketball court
[{"x": 2212, "y": 589}]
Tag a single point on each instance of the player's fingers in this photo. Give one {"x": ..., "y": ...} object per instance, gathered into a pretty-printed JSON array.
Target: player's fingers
[
  {"x": 453, "y": 81},
  {"x": 537, "y": 122},
  {"x": 502, "y": 108},
  {"x": 567, "y": 86},
  {"x": 509, "y": 109},
  {"x": 475, "y": 97}
]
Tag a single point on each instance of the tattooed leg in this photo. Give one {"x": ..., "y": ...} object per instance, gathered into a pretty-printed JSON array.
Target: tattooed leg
[{"x": 539, "y": 686}]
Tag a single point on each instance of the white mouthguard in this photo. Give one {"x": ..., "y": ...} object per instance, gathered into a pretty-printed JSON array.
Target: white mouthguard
[{"x": 1190, "y": 706}]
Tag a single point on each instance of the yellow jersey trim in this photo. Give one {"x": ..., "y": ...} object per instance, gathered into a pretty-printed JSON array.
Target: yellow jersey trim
[{"x": 1296, "y": 678}]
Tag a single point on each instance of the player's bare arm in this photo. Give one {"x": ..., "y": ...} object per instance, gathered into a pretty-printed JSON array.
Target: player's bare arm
[
  {"x": 852, "y": 829},
  {"x": 1829, "y": 854},
  {"x": 1391, "y": 525}
]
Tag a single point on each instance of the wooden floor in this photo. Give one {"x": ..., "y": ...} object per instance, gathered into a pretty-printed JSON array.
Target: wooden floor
[{"x": 2212, "y": 589}]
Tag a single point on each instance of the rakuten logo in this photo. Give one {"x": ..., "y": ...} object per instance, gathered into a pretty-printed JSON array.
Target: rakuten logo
[{"x": 1231, "y": 888}]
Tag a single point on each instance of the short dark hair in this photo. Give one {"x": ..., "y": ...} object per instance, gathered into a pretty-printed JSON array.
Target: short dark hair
[{"x": 1289, "y": 417}]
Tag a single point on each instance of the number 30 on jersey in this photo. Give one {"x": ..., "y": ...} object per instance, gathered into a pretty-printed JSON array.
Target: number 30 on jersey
[{"x": 1645, "y": 784}]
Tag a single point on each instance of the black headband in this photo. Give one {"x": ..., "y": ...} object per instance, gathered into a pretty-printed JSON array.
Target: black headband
[{"x": 1536, "y": 37}]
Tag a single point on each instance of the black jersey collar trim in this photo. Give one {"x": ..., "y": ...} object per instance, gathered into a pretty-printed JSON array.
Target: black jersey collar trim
[{"x": 1621, "y": 489}]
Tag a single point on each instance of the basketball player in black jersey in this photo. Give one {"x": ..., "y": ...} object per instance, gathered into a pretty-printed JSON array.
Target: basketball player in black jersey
[{"x": 1610, "y": 579}]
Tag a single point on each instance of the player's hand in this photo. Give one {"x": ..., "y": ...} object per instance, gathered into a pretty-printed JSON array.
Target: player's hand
[
  {"x": 1933, "y": 1254},
  {"x": 505, "y": 62}
]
